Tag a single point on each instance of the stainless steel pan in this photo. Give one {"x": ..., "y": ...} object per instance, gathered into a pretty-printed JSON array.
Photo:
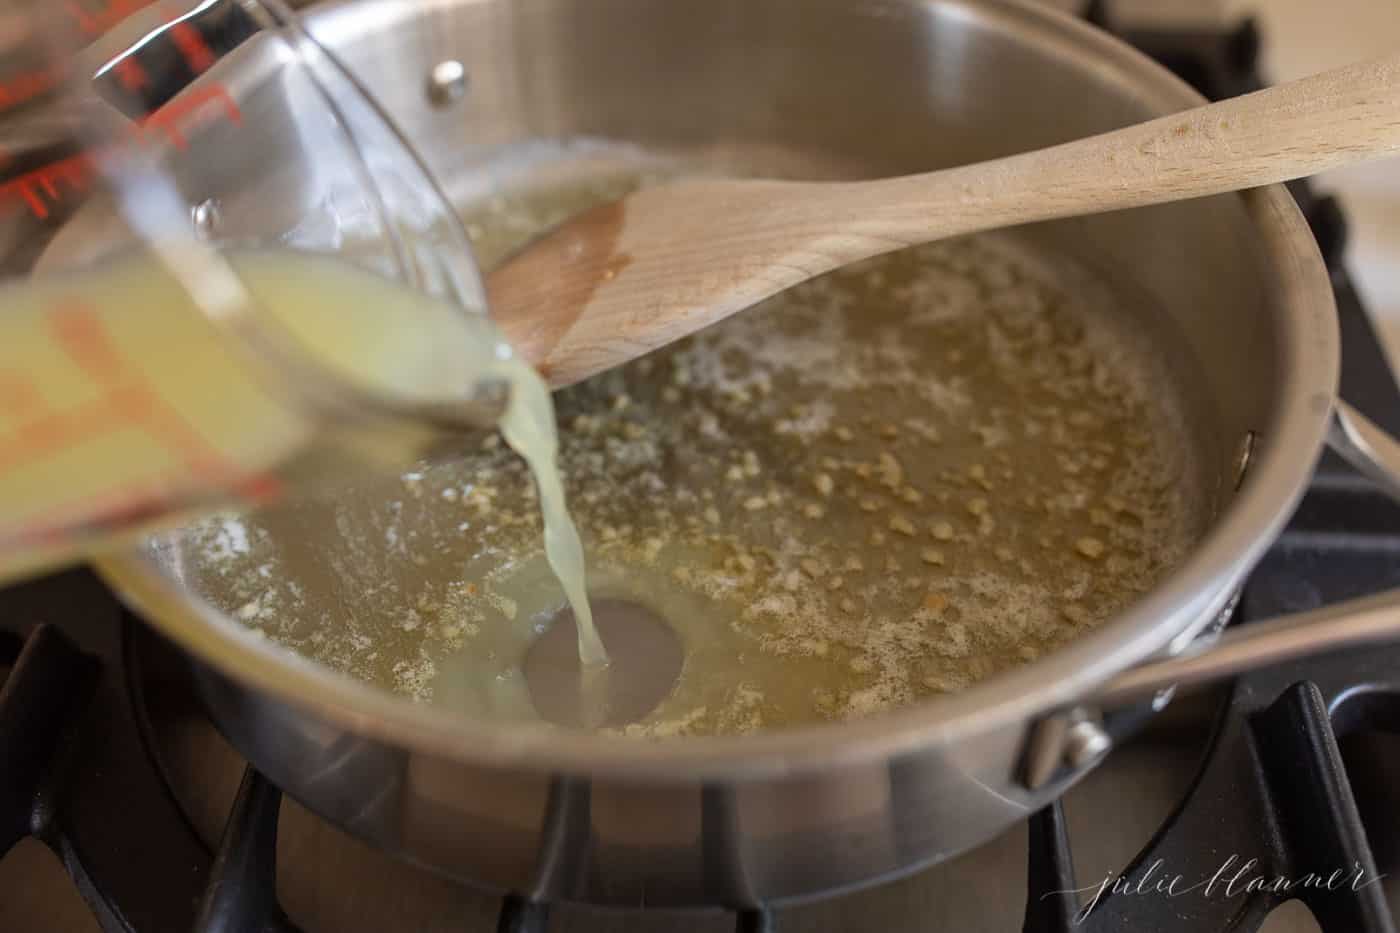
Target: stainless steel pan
[{"x": 798, "y": 88}]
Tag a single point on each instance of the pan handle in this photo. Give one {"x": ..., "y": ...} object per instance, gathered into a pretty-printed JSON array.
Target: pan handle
[
  {"x": 1369, "y": 449},
  {"x": 1259, "y": 644},
  {"x": 1376, "y": 618}
]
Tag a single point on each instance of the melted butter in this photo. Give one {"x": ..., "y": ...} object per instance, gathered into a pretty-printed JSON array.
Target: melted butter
[{"x": 880, "y": 486}]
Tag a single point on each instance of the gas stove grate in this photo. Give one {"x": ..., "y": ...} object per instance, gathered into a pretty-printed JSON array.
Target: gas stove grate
[{"x": 1274, "y": 786}]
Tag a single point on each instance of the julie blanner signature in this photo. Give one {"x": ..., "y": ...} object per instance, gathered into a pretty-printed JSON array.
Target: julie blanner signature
[{"x": 1236, "y": 876}]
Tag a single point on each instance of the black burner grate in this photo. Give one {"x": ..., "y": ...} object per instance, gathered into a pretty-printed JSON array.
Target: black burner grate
[
  {"x": 72, "y": 718},
  {"x": 75, "y": 771},
  {"x": 1273, "y": 786}
]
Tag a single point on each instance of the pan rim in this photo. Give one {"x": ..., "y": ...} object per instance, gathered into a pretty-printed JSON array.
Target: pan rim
[{"x": 1188, "y": 597}]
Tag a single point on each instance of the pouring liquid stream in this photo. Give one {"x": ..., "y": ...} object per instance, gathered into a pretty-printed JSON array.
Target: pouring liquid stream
[
  {"x": 528, "y": 424},
  {"x": 529, "y": 428}
]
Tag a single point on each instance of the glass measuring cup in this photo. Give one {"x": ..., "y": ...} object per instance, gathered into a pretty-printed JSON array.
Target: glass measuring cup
[{"x": 224, "y": 273}]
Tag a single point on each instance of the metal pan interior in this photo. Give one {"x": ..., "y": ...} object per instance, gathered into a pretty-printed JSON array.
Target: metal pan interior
[
  {"x": 882, "y": 486},
  {"x": 805, "y": 92}
]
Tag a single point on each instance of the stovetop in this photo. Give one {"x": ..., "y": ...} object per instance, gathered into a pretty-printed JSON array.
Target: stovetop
[{"x": 123, "y": 810}]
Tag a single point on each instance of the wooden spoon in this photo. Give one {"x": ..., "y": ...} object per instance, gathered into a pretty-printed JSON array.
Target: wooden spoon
[{"x": 628, "y": 277}]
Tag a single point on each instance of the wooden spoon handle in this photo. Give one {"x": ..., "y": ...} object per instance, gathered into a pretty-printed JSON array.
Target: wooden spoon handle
[
  {"x": 631, "y": 276},
  {"x": 1296, "y": 129}
]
